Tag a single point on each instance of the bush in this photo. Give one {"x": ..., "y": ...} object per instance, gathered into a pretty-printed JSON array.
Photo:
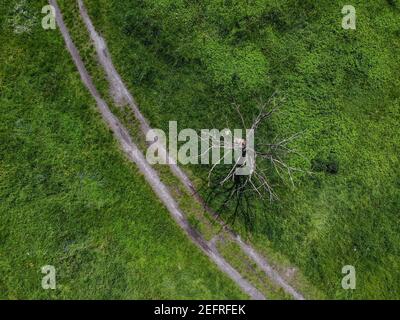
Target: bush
[{"x": 330, "y": 164}]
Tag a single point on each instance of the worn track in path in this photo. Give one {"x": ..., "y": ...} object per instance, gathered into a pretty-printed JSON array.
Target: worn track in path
[
  {"x": 121, "y": 95},
  {"x": 151, "y": 176}
]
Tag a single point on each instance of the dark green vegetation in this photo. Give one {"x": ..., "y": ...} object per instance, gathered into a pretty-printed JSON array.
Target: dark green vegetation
[
  {"x": 199, "y": 219},
  {"x": 68, "y": 197},
  {"x": 190, "y": 60}
]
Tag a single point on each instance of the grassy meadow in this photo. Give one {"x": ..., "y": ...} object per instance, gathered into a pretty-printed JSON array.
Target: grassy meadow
[
  {"x": 68, "y": 196},
  {"x": 191, "y": 60}
]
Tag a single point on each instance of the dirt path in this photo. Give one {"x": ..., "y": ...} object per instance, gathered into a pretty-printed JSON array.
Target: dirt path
[
  {"x": 122, "y": 95},
  {"x": 151, "y": 176}
]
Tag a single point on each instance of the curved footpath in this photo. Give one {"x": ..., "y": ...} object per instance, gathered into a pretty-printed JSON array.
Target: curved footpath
[
  {"x": 151, "y": 176},
  {"x": 122, "y": 95}
]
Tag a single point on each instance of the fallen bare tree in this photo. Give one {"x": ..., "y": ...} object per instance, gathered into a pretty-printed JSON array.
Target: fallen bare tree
[{"x": 236, "y": 191}]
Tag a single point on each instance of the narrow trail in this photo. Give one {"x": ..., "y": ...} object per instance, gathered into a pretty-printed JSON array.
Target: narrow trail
[
  {"x": 122, "y": 95},
  {"x": 151, "y": 176}
]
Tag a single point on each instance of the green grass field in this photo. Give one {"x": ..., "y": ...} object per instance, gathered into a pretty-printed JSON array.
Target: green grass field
[
  {"x": 189, "y": 61},
  {"x": 68, "y": 197}
]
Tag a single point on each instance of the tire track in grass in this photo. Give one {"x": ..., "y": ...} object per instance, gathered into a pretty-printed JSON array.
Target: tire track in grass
[
  {"x": 151, "y": 176},
  {"x": 122, "y": 95}
]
